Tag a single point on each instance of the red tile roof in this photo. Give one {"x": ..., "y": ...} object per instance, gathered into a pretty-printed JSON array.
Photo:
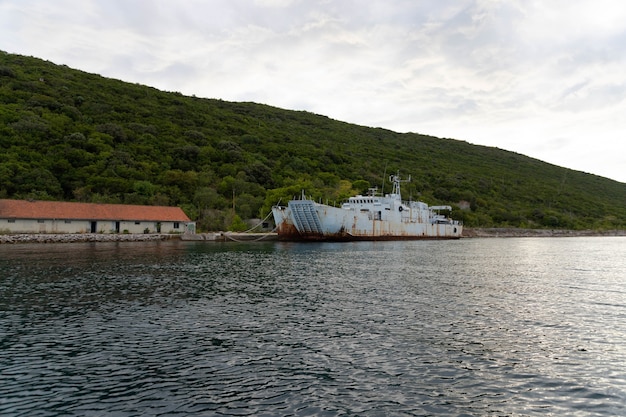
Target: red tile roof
[{"x": 22, "y": 209}]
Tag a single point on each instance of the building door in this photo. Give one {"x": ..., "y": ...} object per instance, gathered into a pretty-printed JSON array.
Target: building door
[
  {"x": 94, "y": 227},
  {"x": 117, "y": 227}
]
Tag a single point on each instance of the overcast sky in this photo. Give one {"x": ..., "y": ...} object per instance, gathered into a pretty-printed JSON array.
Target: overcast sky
[{"x": 545, "y": 79}]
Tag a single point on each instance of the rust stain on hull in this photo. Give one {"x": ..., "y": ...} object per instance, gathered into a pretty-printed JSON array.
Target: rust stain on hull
[
  {"x": 295, "y": 236},
  {"x": 286, "y": 230}
]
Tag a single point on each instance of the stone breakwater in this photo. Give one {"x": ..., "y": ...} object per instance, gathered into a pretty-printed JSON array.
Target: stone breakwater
[{"x": 83, "y": 237}]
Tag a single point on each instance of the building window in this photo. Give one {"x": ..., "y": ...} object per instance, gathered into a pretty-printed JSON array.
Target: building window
[
  {"x": 137, "y": 222},
  {"x": 176, "y": 225},
  {"x": 11, "y": 220},
  {"x": 41, "y": 221},
  {"x": 68, "y": 221}
]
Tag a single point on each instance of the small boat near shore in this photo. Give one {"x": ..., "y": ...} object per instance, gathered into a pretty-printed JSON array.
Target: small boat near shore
[{"x": 371, "y": 217}]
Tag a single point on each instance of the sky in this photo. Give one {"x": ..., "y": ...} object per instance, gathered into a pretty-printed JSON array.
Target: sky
[{"x": 544, "y": 78}]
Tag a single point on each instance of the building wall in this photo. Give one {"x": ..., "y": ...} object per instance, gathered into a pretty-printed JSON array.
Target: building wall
[
  {"x": 86, "y": 226},
  {"x": 44, "y": 226}
]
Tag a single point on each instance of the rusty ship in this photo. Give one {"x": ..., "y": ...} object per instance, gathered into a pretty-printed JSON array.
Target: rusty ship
[{"x": 371, "y": 217}]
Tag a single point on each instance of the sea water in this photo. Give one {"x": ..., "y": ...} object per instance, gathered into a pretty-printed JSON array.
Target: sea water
[{"x": 507, "y": 326}]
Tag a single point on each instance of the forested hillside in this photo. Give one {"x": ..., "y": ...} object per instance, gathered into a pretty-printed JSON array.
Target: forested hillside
[{"x": 69, "y": 135}]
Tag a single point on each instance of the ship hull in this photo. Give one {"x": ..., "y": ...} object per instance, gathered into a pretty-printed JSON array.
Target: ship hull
[{"x": 304, "y": 220}]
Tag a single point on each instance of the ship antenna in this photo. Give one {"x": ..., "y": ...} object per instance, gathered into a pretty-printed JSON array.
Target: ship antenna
[{"x": 382, "y": 188}]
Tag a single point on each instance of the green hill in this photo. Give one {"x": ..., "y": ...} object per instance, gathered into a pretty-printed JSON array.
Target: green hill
[{"x": 69, "y": 135}]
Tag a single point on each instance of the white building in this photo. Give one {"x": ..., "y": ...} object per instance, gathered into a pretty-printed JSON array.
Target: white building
[{"x": 21, "y": 216}]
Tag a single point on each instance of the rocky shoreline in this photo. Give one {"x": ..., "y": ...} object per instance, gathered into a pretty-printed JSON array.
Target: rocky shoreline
[
  {"x": 221, "y": 237},
  {"x": 513, "y": 232},
  {"x": 84, "y": 237},
  {"x": 139, "y": 237}
]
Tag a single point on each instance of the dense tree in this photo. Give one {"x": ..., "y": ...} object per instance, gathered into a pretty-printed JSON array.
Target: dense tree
[{"x": 69, "y": 135}]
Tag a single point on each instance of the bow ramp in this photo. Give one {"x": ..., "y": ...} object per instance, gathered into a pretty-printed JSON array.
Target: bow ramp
[{"x": 305, "y": 216}]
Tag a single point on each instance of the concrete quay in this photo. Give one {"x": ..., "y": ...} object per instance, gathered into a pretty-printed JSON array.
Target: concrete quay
[{"x": 230, "y": 237}]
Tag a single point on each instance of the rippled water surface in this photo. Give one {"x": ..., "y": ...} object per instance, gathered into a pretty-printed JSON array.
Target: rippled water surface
[{"x": 532, "y": 326}]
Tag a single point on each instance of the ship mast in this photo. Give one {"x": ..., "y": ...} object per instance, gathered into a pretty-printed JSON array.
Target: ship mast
[{"x": 395, "y": 180}]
